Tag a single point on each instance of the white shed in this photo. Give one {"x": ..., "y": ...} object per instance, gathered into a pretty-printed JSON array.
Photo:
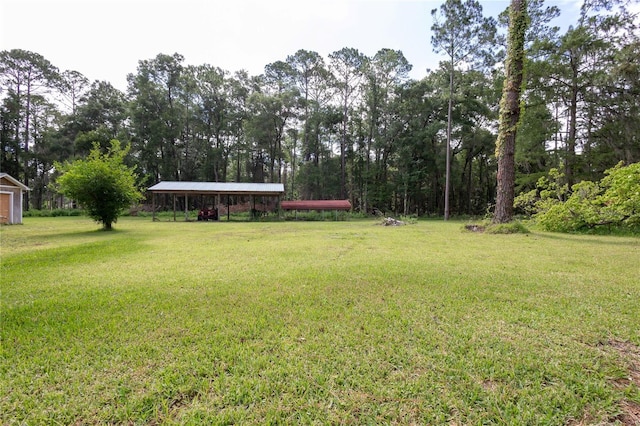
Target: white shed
[{"x": 11, "y": 193}]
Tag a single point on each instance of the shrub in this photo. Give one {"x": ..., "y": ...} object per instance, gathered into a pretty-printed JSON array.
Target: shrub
[
  {"x": 613, "y": 202},
  {"x": 52, "y": 213},
  {"x": 514, "y": 227},
  {"x": 102, "y": 184}
]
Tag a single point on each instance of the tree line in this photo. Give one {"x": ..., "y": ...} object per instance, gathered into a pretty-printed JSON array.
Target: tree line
[{"x": 349, "y": 126}]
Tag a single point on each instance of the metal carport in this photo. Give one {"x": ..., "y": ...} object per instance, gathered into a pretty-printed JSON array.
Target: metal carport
[{"x": 177, "y": 188}]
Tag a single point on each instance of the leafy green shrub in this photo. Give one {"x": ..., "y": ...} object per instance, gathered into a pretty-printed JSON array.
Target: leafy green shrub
[
  {"x": 66, "y": 212},
  {"x": 357, "y": 215},
  {"x": 622, "y": 195},
  {"x": 52, "y": 213},
  {"x": 525, "y": 203},
  {"x": 614, "y": 202},
  {"x": 102, "y": 184},
  {"x": 32, "y": 213}
]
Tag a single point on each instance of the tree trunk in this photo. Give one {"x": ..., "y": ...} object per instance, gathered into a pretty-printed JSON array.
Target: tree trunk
[
  {"x": 570, "y": 158},
  {"x": 27, "y": 168},
  {"x": 447, "y": 178},
  {"x": 510, "y": 112},
  {"x": 343, "y": 154}
]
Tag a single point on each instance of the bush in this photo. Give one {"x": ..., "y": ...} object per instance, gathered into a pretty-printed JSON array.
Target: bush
[
  {"x": 52, "y": 213},
  {"x": 102, "y": 184},
  {"x": 514, "y": 227},
  {"x": 613, "y": 202}
]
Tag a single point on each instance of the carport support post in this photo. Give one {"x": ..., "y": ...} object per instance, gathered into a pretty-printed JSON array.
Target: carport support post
[
  {"x": 174, "y": 207},
  {"x": 228, "y": 213},
  {"x": 186, "y": 207},
  {"x": 153, "y": 206}
]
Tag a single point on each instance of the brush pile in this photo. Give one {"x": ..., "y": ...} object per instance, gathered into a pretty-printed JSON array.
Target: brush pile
[{"x": 389, "y": 221}]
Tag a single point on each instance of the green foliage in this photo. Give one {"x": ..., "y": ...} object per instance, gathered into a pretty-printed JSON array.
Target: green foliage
[
  {"x": 613, "y": 202},
  {"x": 622, "y": 195},
  {"x": 52, "y": 212},
  {"x": 531, "y": 156},
  {"x": 489, "y": 227},
  {"x": 514, "y": 227},
  {"x": 102, "y": 184}
]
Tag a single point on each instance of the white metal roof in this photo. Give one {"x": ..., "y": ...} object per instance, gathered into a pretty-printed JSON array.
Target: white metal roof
[
  {"x": 14, "y": 181},
  {"x": 232, "y": 188}
]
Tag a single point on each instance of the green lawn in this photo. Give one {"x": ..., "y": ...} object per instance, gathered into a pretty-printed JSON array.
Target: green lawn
[{"x": 315, "y": 323}]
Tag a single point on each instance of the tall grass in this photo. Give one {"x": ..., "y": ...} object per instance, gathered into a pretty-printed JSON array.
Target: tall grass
[{"x": 313, "y": 322}]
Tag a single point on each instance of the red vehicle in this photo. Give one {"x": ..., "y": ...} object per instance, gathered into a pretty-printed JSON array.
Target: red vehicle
[{"x": 208, "y": 214}]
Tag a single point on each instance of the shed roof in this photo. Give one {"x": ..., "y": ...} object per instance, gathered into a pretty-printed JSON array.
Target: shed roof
[
  {"x": 14, "y": 181},
  {"x": 316, "y": 205},
  {"x": 230, "y": 188}
]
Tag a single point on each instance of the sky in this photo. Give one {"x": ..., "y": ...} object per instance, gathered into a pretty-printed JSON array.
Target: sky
[{"x": 105, "y": 39}]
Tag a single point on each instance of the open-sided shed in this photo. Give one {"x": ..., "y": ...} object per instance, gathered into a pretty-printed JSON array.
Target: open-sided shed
[
  {"x": 185, "y": 189},
  {"x": 11, "y": 196}
]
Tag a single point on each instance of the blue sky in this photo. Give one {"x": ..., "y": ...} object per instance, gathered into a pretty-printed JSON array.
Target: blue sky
[{"x": 105, "y": 39}]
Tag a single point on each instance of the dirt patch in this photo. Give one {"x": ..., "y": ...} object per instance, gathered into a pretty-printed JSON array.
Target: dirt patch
[
  {"x": 630, "y": 413},
  {"x": 490, "y": 385},
  {"x": 631, "y": 354},
  {"x": 587, "y": 420}
]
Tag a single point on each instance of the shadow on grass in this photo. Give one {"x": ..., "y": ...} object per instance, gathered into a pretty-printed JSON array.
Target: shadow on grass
[
  {"x": 92, "y": 232},
  {"x": 82, "y": 252}
]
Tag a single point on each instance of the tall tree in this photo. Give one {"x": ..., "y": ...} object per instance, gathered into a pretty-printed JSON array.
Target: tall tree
[
  {"x": 420, "y": 116},
  {"x": 211, "y": 114},
  {"x": 313, "y": 82},
  {"x": 384, "y": 74},
  {"x": 476, "y": 113},
  {"x": 25, "y": 74},
  {"x": 463, "y": 35},
  {"x": 100, "y": 116},
  {"x": 510, "y": 111},
  {"x": 158, "y": 115},
  {"x": 10, "y": 151},
  {"x": 347, "y": 66},
  {"x": 611, "y": 102},
  {"x": 266, "y": 130},
  {"x": 72, "y": 86},
  {"x": 241, "y": 86}
]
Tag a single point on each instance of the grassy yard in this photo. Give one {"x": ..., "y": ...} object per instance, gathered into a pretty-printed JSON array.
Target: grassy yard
[{"x": 316, "y": 323}]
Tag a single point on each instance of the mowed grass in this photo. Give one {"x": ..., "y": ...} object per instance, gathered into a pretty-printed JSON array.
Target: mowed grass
[{"x": 314, "y": 323}]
